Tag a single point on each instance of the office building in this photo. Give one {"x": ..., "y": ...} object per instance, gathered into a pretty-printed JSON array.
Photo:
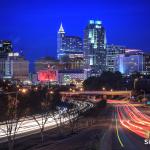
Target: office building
[
  {"x": 5, "y": 48},
  {"x": 146, "y": 63},
  {"x": 45, "y": 63},
  {"x": 60, "y": 36},
  {"x": 14, "y": 67},
  {"x": 128, "y": 64},
  {"x": 67, "y": 45},
  {"x": 69, "y": 50},
  {"x": 95, "y": 47},
  {"x": 66, "y": 77},
  {"x": 112, "y": 52},
  {"x": 133, "y": 51}
]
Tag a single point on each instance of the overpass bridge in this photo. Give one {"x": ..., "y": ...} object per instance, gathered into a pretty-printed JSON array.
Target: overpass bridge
[{"x": 92, "y": 93}]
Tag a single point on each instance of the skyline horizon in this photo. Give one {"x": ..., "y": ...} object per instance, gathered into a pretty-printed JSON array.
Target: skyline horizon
[
  {"x": 82, "y": 37},
  {"x": 32, "y": 26}
]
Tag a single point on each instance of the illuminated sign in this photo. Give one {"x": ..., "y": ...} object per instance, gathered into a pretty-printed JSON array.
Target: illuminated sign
[
  {"x": 67, "y": 78},
  {"x": 47, "y": 75}
]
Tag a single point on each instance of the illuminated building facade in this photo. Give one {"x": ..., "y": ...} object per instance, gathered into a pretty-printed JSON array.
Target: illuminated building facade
[
  {"x": 46, "y": 69},
  {"x": 14, "y": 67},
  {"x": 48, "y": 75},
  {"x": 146, "y": 63},
  {"x": 95, "y": 47},
  {"x": 45, "y": 63},
  {"x": 133, "y": 52},
  {"x": 71, "y": 77},
  {"x": 128, "y": 64},
  {"x": 69, "y": 51},
  {"x": 112, "y": 52},
  {"x": 5, "y": 48},
  {"x": 72, "y": 61},
  {"x": 67, "y": 45}
]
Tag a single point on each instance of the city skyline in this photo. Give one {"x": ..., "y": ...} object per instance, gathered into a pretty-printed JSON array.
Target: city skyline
[
  {"x": 36, "y": 33},
  {"x": 75, "y": 74}
]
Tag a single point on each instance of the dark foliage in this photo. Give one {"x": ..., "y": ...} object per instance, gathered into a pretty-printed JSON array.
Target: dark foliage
[{"x": 109, "y": 80}]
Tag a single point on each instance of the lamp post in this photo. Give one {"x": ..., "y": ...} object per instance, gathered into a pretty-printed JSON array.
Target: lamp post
[
  {"x": 135, "y": 80},
  {"x": 17, "y": 92},
  {"x": 81, "y": 89},
  {"x": 103, "y": 88},
  {"x": 144, "y": 93}
]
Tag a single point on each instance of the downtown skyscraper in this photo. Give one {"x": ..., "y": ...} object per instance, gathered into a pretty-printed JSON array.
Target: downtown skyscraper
[
  {"x": 69, "y": 50},
  {"x": 60, "y": 36},
  {"x": 67, "y": 46},
  {"x": 94, "y": 47}
]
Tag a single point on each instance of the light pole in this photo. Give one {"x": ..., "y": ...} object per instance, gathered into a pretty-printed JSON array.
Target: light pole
[
  {"x": 103, "y": 88},
  {"x": 15, "y": 102},
  {"x": 144, "y": 93},
  {"x": 17, "y": 92},
  {"x": 135, "y": 80}
]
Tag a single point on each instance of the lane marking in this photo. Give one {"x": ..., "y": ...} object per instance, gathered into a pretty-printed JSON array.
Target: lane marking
[{"x": 118, "y": 132}]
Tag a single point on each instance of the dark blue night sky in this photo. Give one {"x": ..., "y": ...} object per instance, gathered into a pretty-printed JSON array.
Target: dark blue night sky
[{"x": 32, "y": 25}]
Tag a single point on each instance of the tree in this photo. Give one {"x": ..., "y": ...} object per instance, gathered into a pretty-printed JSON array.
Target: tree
[
  {"x": 72, "y": 114},
  {"x": 108, "y": 79},
  {"x": 13, "y": 116},
  {"x": 92, "y": 83},
  {"x": 56, "y": 111},
  {"x": 42, "y": 99}
]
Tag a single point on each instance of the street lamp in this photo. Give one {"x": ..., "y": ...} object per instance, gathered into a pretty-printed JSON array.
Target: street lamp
[
  {"x": 81, "y": 89},
  {"x": 16, "y": 92},
  {"x": 17, "y": 86},
  {"x": 135, "y": 80},
  {"x": 51, "y": 92},
  {"x": 24, "y": 91},
  {"x": 144, "y": 93},
  {"x": 36, "y": 88},
  {"x": 103, "y": 88}
]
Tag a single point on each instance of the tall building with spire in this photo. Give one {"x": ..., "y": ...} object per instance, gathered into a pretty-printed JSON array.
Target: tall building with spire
[
  {"x": 60, "y": 36},
  {"x": 95, "y": 47},
  {"x": 69, "y": 49}
]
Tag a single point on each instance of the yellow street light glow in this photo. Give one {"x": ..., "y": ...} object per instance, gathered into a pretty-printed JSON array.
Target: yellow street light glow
[
  {"x": 24, "y": 90},
  {"x": 17, "y": 86}
]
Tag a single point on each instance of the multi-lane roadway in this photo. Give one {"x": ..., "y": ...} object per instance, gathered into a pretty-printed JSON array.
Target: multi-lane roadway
[
  {"x": 29, "y": 126},
  {"x": 130, "y": 127}
]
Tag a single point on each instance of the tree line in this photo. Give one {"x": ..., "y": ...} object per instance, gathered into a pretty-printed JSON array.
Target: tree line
[
  {"x": 16, "y": 107},
  {"x": 116, "y": 81}
]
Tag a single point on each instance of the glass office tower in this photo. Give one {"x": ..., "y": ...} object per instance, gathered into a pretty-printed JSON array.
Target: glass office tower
[{"x": 95, "y": 47}]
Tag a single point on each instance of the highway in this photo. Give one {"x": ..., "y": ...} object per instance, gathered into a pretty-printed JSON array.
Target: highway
[
  {"x": 130, "y": 127},
  {"x": 29, "y": 126},
  {"x": 127, "y": 129}
]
